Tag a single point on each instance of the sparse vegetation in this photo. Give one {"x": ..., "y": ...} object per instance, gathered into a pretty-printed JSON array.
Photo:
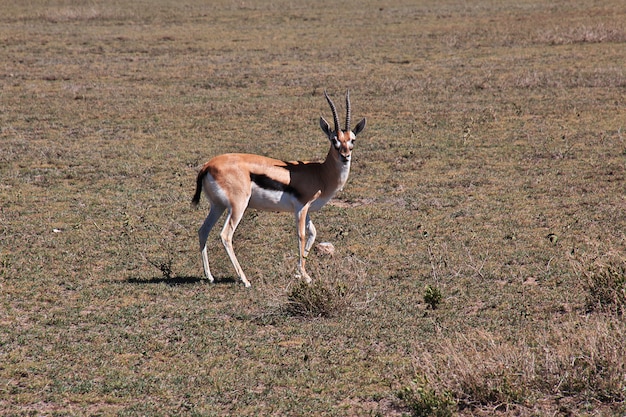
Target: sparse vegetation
[
  {"x": 424, "y": 401},
  {"x": 432, "y": 296},
  {"x": 606, "y": 286},
  {"x": 489, "y": 184}
]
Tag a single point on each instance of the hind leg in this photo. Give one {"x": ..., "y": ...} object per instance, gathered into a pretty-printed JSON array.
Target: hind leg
[
  {"x": 203, "y": 234},
  {"x": 235, "y": 213}
]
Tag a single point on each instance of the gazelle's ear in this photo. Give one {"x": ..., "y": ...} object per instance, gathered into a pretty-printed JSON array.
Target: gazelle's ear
[
  {"x": 325, "y": 127},
  {"x": 359, "y": 127}
]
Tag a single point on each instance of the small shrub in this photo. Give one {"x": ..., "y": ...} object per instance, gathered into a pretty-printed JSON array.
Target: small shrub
[
  {"x": 166, "y": 269},
  {"x": 424, "y": 401},
  {"x": 432, "y": 296},
  {"x": 163, "y": 265},
  {"x": 606, "y": 287},
  {"x": 319, "y": 299}
]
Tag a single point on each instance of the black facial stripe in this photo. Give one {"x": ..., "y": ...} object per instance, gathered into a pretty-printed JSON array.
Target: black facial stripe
[{"x": 268, "y": 183}]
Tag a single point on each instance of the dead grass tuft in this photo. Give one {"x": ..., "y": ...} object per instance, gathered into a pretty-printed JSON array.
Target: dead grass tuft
[
  {"x": 318, "y": 299},
  {"x": 335, "y": 291},
  {"x": 599, "y": 33},
  {"x": 67, "y": 14}
]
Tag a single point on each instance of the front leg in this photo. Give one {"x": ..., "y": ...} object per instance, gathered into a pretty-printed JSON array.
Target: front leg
[
  {"x": 310, "y": 228},
  {"x": 303, "y": 223}
]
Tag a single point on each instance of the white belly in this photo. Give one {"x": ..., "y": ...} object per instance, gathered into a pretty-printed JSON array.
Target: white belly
[{"x": 271, "y": 200}]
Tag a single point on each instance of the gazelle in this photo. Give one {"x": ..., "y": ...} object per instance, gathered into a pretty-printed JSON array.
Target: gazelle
[{"x": 233, "y": 182}]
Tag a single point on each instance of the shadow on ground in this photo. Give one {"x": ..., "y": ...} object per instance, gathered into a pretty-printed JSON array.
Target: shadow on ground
[{"x": 182, "y": 280}]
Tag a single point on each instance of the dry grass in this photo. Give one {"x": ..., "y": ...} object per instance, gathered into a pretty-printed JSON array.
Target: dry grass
[
  {"x": 604, "y": 276},
  {"x": 491, "y": 171},
  {"x": 579, "y": 363}
]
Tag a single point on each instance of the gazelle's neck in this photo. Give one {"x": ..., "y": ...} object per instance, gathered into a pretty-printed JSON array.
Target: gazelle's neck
[{"x": 337, "y": 170}]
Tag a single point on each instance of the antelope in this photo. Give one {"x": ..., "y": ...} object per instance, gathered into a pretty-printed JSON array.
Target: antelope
[{"x": 233, "y": 182}]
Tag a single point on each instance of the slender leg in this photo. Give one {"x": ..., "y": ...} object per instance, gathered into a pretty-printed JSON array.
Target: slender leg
[
  {"x": 303, "y": 223},
  {"x": 233, "y": 218},
  {"x": 203, "y": 234},
  {"x": 312, "y": 234}
]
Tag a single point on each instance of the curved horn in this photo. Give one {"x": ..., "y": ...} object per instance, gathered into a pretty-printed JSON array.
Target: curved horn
[
  {"x": 348, "y": 110},
  {"x": 334, "y": 109}
]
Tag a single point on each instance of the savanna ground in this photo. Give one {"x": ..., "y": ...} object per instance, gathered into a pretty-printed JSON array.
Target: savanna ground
[{"x": 480, "y": 240}]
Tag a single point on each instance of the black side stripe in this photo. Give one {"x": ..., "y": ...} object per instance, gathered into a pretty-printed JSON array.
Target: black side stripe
[{"x": 268, "y": 183}]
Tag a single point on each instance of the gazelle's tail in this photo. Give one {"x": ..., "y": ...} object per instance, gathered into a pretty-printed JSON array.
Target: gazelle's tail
[{"x": 196, "y": 197}]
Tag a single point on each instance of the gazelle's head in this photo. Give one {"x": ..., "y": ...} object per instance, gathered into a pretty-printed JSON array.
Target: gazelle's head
[{"x": 341, "y": 140}]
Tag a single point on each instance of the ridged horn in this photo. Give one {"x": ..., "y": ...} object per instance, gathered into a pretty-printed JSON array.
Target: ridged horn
[
  {"x": 334, "y": 110},
  {"x": 347, "y": 110}
]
